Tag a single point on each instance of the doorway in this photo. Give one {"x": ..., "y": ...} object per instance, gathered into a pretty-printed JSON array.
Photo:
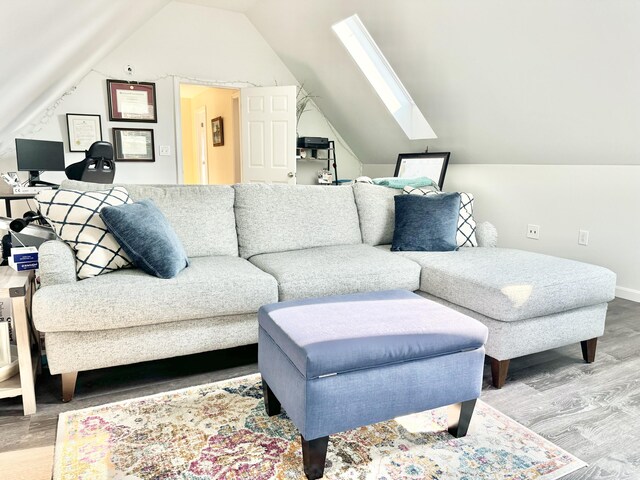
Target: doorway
[{"x": 210, "y": 135}]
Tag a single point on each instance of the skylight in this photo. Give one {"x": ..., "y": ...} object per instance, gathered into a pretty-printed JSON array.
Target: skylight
[{"x": 364, "y": 50}]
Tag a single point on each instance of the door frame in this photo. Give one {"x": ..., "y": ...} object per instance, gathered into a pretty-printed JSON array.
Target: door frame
[{"x": 177, "y": 113}]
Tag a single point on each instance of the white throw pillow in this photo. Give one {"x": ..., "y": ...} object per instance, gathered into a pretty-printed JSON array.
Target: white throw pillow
[
  {"x": 466, "y": 234},
  {"x": 75, "y": 217}
]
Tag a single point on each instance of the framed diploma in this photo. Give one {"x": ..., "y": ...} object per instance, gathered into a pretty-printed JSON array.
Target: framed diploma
[
  {"x": 132, "y": 101},
  {"x": 83, "y": 130},
  {"x": 133, "y": 145}
]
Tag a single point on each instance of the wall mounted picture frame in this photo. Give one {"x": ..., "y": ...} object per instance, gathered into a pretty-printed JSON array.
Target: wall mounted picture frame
[
  {"x": 432, "y": 165},
  {"x": 132, "y": 101},
  {"x": 83, "y": 130},
  {"x": 217, "y": 132},
  {"x": 133, "y": 145}
]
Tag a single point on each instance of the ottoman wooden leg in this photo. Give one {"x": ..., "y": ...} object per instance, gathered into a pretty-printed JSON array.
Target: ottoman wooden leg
[
  {"x": 314, "y": 455},
  {"x": 589, "y": 349},
  {"x": 460, "y": 417},
  {"x": 271, "y": 403},
  {"x": 499, "y": 369}
]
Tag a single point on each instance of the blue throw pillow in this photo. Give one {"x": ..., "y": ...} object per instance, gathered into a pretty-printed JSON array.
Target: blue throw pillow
[
  {"x": 147, "y": 237},
  {"x": 426, "y": 223}
]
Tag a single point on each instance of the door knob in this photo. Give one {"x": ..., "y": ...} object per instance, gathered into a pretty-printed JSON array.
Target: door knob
[{"x": 291, "y": 174}]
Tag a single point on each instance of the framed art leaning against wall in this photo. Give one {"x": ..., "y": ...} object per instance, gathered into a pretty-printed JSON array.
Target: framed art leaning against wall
[{"x": 432, "y": 165}]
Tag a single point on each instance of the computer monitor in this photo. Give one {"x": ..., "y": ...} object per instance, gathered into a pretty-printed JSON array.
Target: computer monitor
[{"x": 34, "y": 156}]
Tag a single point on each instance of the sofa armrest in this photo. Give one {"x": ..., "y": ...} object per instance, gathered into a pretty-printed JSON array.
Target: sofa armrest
[
  {"x": 57, "y": 263},
  {"x": 486, "y": 234}
]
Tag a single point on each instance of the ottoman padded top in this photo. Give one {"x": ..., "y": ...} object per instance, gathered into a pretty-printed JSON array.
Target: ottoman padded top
[{"x": 343, "y": 333}]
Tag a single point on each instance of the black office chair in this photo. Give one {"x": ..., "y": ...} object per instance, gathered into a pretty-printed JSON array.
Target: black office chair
[{"x": 97, "y": 167}]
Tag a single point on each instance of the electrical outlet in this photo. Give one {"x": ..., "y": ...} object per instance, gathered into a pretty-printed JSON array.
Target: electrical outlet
[
  {"x": 165, "y": 150},
  {"x": 533, "y": 231},
  {"x": 583, "y": 237}
]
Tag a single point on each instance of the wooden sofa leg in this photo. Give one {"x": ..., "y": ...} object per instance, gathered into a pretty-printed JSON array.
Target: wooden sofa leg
[
  {"x": 589, "y": 349},
  {"x": 499, "y": 369},
  {"x": 68, "y": 385}
]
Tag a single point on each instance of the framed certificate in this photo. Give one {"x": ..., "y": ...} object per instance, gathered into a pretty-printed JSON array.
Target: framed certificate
[
  {"x": 131, "y": 101},
  {"x": 133, "y": 145},
  {"x": 83, "y": 130}
]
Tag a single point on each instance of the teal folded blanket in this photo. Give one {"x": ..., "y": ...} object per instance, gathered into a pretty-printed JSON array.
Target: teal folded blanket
[{"x": 400, "y": 183}]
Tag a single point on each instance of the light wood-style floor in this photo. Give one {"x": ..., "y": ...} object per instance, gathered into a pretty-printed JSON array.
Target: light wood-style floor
[{"x": 593, "y": 411}]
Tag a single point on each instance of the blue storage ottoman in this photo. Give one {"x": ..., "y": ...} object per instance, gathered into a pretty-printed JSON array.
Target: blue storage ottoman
[{"x": 338, "y": 363}]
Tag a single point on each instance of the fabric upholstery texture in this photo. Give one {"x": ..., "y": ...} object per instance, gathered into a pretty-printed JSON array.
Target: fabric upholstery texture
[
  {"x": 278, "y": 218},
  {"x": 147, "y": 237},
  {"x": 532, "y": 335},
  {"x": 511, "y": 285},
  {"x": 344, "y": 333},
  {"x": 466, "y": 234},
  {"x": 322, "y": 271},
  {"x": 201, "y": 215},
  {"x": 486, "y": 235},
  {"x": 327, "y": 405},
  {"x": 376, "y": 211},
  {"x": 426, "y": 223},
  {"x": 211, "y": 286},
  {"x": 57, "y": 263},
  {"x": 79, "y": 351},
  {"x": 75, "y": 217}
]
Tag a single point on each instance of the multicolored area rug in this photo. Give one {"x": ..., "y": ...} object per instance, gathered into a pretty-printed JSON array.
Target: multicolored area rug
[{"x": 221, "y": 431}]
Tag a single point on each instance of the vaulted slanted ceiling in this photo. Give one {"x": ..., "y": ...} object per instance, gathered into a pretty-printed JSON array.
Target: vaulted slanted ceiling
[
  {"x": 500, "y": 81},
  {"x": 47, "y": 46}
]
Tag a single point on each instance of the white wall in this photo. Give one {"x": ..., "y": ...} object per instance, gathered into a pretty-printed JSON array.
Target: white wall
[
  {"x": 562, "y": 199},
  {"x": 190, "y": 42},
  {"x": 314, "y": 124}
]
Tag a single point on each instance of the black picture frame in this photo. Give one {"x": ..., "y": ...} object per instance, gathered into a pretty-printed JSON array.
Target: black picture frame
[
  {"x": 432, "y": 165},
  {"x": 81, "y": 141},
  {"x": 126, "y": 147},
  {"x": 217, "y": 132},
  {"x": 134, "y": 110}
]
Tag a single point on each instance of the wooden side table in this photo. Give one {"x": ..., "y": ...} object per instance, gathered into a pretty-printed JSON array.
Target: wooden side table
[{"x": 19, "y": 287}]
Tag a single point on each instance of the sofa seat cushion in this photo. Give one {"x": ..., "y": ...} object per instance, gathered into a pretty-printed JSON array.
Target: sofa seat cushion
[
  {"x": 509, "y": 285},
  {"x": 344, "y": 333},
  {"x": 210, "y": 287},
  {"x": 336, "y": 270}
]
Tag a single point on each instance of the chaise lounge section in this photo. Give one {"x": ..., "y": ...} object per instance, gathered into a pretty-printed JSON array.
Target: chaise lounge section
[{"x": 255, "y": 244}]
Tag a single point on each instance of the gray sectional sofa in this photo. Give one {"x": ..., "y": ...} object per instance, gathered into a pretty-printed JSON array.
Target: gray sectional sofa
[{"x": 254, "y": 244}]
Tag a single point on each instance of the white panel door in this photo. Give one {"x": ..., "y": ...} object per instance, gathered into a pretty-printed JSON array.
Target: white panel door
[
  {"x": 200, "y": 120},
  {"x": 268, "y": 121}
]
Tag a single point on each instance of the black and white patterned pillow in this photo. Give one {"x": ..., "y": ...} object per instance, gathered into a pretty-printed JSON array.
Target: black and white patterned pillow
[
  {"x": 75, "y": 217},
  {"x": 466, "y": 234}
]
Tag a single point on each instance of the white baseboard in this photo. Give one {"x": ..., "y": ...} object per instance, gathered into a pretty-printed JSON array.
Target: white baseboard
[{"x": 628, "y": 294}]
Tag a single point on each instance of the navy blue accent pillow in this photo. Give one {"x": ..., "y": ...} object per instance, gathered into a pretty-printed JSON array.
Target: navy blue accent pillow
[
  {"x": 426, "y": 223},
  {"x": 146, "y": 236}
]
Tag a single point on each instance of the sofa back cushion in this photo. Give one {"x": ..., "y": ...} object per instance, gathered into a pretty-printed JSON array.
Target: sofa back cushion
[
  {"x": 201, "y": 215},
  {"x": 376, "y": 211},
  {"x": 277, "y": 218}
]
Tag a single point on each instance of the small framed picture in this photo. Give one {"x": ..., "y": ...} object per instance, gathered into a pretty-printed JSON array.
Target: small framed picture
[
  {"x": 133, "y": 145},
  {"x": 431, "y": 165},
  {"x": 131, "y": 101},
  {"x": 83, "y": 130},
  {"x": 217, "y": 132}
]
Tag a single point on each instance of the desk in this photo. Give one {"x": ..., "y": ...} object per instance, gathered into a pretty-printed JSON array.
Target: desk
[
  {"x": 19, "y": 287},
  {"x": 9, "y": 197}
]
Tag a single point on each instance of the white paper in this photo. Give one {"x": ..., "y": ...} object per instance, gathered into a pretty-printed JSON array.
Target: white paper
[
  {"x": 134, "y": 144},
  {"x": 421, "y": 167},
  {"x": 132, "y": 102},
  {"x": 83, "y": 133}
]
